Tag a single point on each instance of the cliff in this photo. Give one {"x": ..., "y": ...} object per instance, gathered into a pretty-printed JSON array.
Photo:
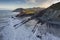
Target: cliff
[{"x": 55, "y": 6}]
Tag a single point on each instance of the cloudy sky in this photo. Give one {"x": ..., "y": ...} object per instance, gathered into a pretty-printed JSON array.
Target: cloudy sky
[{"x": 13, "y": 4}]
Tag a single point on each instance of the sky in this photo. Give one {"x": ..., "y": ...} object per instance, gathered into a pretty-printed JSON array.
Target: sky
[{"x": 13, "y": 4}]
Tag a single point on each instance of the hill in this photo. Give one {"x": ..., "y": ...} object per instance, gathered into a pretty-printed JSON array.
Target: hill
[
  {"x": 55, "y": 6},
  {"x": 18, "y": 10}
]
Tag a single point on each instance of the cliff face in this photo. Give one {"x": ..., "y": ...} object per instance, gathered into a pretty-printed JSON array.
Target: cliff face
[
  {"x": 52, "y": 12},
  {"x": 55, "y": 6},
  {"x": 52, "y": 19}
]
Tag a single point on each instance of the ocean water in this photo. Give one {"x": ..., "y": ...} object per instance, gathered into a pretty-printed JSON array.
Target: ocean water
[{"x": 6, "y": 13}]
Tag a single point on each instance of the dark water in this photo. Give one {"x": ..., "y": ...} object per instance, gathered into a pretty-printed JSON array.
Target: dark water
[{"x": 6, "y": 13}]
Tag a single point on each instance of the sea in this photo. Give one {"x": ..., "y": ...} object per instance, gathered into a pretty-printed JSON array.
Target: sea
[{"x": 7, "y": 13}]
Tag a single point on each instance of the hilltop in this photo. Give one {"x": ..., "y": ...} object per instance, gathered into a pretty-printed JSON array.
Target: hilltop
[
  {"x": 55, "y": 6},
  {"x": 18, "y": 10}
]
